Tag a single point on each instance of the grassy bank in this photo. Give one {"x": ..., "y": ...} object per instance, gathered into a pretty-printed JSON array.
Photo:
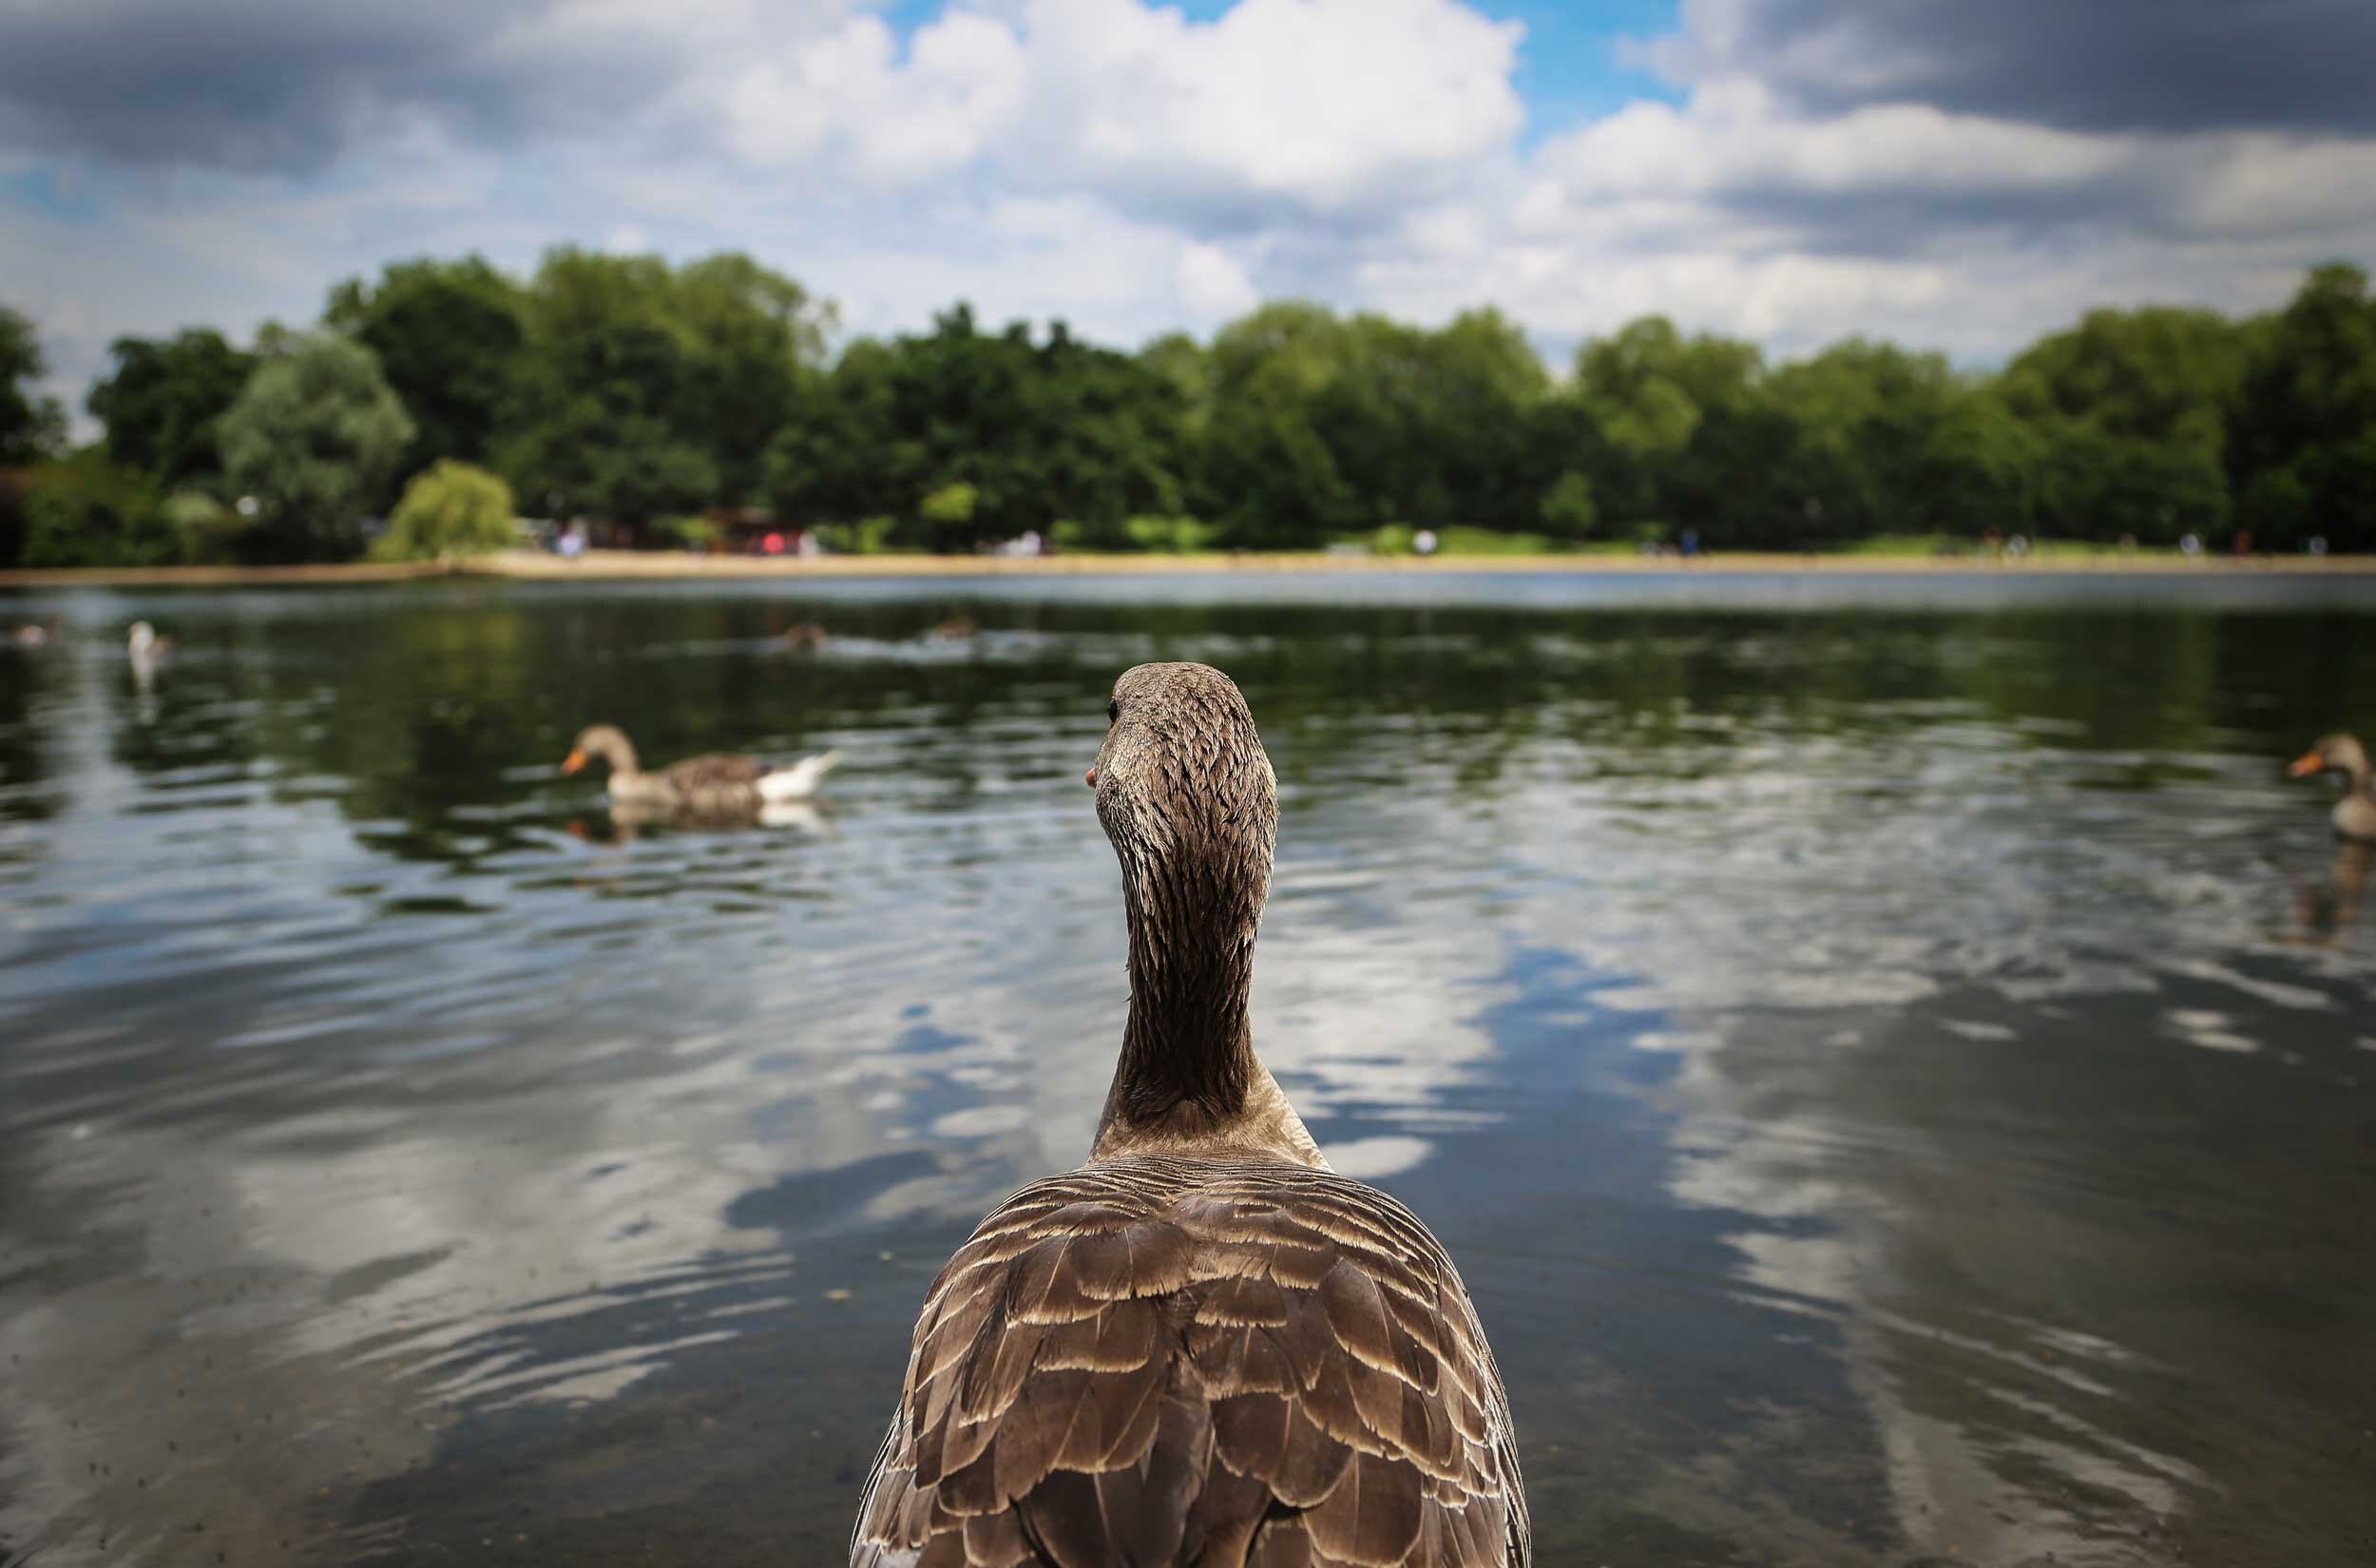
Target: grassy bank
[{"x": 630, "y": 564}]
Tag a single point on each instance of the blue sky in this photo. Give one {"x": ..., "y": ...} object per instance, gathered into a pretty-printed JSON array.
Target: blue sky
[{"x": 1953, "y": 176}]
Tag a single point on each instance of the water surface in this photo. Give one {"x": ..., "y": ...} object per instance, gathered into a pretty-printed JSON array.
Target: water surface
[{"x": 1894, "y": 1059}]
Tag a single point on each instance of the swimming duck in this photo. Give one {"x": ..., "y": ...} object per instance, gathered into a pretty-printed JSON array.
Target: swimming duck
[
  {"x": 2355, "y": 813},
  {"x": 719, "y": 783},
  {"x": 805, "y": 638},
  {"x": 1203, "y": 1345}
]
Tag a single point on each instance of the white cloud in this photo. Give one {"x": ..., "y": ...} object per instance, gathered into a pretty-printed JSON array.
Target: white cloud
[
  {"x": 1213, "y": 284},
  {"x": 1134, "y": 171},
  {"x": 847, "y": 96}
]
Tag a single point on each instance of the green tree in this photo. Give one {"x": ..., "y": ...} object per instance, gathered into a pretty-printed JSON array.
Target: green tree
[
  {"x": 1566, "y": 509},
  {"x": 948, "y": 512},
  {"x": 2132, "y": 407},
  {"x": 313, "y": 437},
  {"x": 646, "y": 389},
  {"x": 1270, "y": 474},
  {"x": 599, "y": 411},
  {"x": 451, "y": 509},
  {"x": 161, "y": 403},
  {"x": 1042, "y": 432},
  {"x": 755, "y": 336},
  {"x": 1865, "y": 413},
  {"x": 31, "y": 426},
  {"x": 2304, "y": 455},
  {"x": 1979, "y": 468},
  {"x": 449, "y": 336},
  {"x": 1646, "y": 390},
  {"x": 88, "y": 511}
]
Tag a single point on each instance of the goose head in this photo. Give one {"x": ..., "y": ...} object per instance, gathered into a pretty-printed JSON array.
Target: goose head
[
  {"x": 2338, "y": 754},
  {"x": 1186, "y": 794},
  {"x": 603, "y": 740}
]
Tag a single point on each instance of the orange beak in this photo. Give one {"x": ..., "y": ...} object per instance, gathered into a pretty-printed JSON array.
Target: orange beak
[
  {"x": 2307, "y": 764},
  {"x": 1090, "y": 778},
  {"x": 575, "y": 760}
]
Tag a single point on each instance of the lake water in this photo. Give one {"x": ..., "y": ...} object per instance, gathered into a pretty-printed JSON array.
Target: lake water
[{"x": 1895, "y": 1058}]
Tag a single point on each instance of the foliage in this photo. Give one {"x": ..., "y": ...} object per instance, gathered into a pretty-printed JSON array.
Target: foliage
[
  {"x": 1042, "y": 432},
  {"x": 31, "y": 426},
  {"x": 644, "y": 389},
  {"x": 162, "y": 403},
  {"x": 449, "y": 336},
  {"x": 312, "y": 438},
  {"x": 632, "y": 388},
  {"x": 867, "y": 536},
  {"x": 2303, "y": 459},
  {"x": 1567, "y": 509},
  {"x": 451, "y": 509},
  {"x": 88, "y": 511}
]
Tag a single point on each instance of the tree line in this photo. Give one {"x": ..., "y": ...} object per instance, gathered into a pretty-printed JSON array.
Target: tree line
[{"x": 629, "y": 390}]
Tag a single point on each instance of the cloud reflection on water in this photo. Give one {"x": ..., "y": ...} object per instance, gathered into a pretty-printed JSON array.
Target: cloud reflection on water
[{"x": 1789, "y": 1019}]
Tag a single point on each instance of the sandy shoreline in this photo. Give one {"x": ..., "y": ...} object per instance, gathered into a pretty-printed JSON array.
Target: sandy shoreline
[{"x": 613, "y": 565}]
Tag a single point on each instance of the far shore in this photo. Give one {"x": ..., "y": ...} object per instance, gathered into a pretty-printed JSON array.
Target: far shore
[{"x": 617, "y": 565}]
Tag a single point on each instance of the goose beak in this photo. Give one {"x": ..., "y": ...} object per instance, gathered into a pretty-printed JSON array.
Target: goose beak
[
  {"x": 575, "y": 760},
  {"x": 2305, "y": 765},
  {"x": 1090, "y": 778}
]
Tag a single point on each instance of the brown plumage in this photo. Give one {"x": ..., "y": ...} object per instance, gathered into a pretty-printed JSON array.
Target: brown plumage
[
  {"x": 2354, "y": 815},
  {"x": 1203, "y": 1347},
  {"x": 721, "y": 783}
]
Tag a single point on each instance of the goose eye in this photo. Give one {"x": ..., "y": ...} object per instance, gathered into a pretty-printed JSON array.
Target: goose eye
[{"x": 1113, "y": 713}]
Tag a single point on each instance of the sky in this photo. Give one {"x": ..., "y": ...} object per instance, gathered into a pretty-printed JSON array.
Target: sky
[{"x": 1953, "y": 175}]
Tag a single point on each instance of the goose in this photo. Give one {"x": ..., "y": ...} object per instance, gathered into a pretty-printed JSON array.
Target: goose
[
  {"x": 144, "y": 644},
  {"x": 36, "y": 634},
  {"x": 2355, "y": 813},
  {"x": 1203, "y": 1345},
  {"x": 806, "y": 637},
  {"x": 718, "y": 783}
]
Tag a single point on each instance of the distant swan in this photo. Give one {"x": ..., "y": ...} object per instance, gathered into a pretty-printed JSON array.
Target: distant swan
[
  {"x": 1203, "y": 1347},
  {"x": 716, "y": 783},
  {"x": 2355, "y": 813}
]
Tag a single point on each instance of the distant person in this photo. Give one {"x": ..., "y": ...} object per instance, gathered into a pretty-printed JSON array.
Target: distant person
[
  {"x": 2018, "y": 545},
  {"x": 1424, "y": 542},
  {"x": 1690, "y": 542},
  {"x": 2316, "y": 543},
  {"x": 2189, "y": 545},
  {"x": 2127, "y": 544},
  {"x": 572, "y": 542},
  {"x": 2243, "y": 542}
]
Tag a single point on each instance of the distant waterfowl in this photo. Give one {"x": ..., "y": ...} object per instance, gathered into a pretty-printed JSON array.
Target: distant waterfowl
[
  {"x": 147, "y": 652},
  {"x": 719, "y": 783},
  {"x": 1203, "y": 1347},
  {"x": 2355, "y": 813},
  {"x": 955, "y": 629},
  {"x": 36, "y": 634},
  {"x": 805, "y": 637}
]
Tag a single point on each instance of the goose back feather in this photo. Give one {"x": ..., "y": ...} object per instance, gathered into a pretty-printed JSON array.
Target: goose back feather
[{"x": 1203, "y": 1347}]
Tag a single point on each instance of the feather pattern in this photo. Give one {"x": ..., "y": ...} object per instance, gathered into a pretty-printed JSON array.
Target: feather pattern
[
  {"x": 1203, "y": 1347},
  {"x": 1163, "y": 1359},
  {"x": 718, "y": 783}
]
